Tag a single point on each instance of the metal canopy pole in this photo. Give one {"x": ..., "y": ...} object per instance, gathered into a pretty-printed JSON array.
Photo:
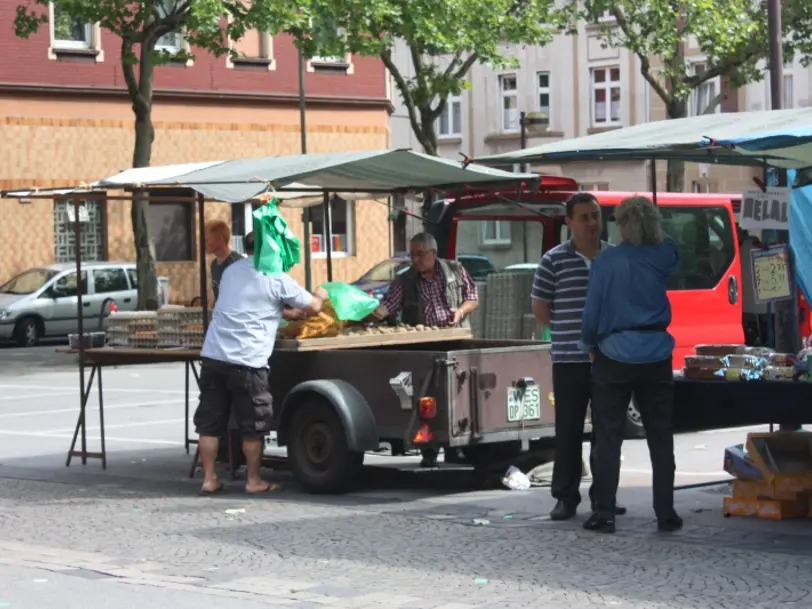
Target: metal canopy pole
[
  {"x": 328, "y": 233},
  {"x": 653, "y": 179},
  {"x": 306, "y": 217},
  {"x": 204, "y": 288},
  {"x": 77, "y": 240}
]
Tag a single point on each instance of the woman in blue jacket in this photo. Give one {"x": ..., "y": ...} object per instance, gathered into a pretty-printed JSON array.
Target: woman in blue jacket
[{"x": 625, "y": 329}]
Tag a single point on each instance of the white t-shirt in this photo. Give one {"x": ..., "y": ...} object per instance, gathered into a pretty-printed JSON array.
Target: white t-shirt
[{"x": 247, "y": 313}]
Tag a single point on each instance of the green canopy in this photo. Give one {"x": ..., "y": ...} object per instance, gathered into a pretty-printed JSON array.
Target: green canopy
[
  {"x": 380, "y": 171},
  {"x": 696, "y": 139}
]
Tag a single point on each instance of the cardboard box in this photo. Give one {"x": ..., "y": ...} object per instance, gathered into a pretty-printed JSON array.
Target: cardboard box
[
  {"x": 739, "y": 464},
  {"x": 784, "y": 459},
  {"x": 745, "y": 489},
  {"x": 773, "y": 509}
]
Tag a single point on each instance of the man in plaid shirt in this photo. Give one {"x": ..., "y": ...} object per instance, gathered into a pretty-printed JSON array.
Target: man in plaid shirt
[{"x": 433, "y": 292}]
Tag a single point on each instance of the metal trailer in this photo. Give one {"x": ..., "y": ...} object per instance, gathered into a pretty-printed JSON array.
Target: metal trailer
[{"x": 491, "y": 399}]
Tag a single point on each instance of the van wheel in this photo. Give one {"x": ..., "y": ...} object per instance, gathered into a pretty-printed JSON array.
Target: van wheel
[
  {"x": 27, "y": 332},
  {"x": 634, "y": 423},
  {"x": 317, "y": 449}
]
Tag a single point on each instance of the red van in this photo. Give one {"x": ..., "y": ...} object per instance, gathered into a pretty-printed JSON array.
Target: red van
[{"x": 514, "y": 229}]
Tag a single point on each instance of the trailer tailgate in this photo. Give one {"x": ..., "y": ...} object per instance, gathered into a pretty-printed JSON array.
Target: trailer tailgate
[{"x": 501, "y": 389}]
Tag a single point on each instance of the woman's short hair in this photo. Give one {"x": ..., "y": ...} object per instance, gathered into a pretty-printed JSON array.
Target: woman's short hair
[
  {"x": 639, "y": 221},
  {"x": 219, "y": 228}
]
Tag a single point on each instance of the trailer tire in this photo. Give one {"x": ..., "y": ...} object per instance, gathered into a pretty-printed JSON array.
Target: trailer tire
[
  {"x": 317, "y": 448},
  {"x": 634, "y": 423}
]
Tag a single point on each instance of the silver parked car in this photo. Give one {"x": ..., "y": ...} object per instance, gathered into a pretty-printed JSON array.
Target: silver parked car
[{"x": 42, "y": 301}]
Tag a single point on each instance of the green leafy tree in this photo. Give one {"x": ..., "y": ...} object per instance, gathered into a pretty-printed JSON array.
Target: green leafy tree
[
  {"x": 206, "y": 25},
  {"x": 445, "y": 38},
  {"x": 731, "y": 35}
]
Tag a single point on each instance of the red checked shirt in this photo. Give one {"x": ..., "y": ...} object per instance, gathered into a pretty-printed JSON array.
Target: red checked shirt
[{"x": 436, "y": 311}]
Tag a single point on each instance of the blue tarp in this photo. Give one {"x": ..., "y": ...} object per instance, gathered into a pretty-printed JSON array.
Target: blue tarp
[{"x": 800, "y": 235}]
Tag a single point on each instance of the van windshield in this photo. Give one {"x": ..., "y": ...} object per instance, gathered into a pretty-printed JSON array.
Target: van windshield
[
  {"x": 508, "y": 244},
  {"x": 28, "y": 282}
]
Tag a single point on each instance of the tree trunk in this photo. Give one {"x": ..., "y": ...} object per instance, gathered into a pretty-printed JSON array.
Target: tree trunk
[
  {"x": 144, "y": 251},
  {"x": 675, "y": 170},
  {"x": 142, "y": 153}
]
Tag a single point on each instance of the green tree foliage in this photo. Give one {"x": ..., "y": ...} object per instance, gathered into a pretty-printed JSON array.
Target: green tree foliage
[
  {"x": 206, "y": 25},
  {"x": 731, "y": 36},
  {"x": 444, "y": 39}
]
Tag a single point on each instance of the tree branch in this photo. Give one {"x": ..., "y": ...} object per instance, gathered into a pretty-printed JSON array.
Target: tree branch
[
  {"x": 408, "y": 100},
  {"x": 645, "y": 62},
  {"x": 466, "y": 65},
  {"x": 128, "y": 69},
  {"x": 724, "y": 67},
  {"x": 452, "y": 64}
]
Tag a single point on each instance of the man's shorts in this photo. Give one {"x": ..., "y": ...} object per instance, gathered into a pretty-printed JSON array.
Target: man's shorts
[{"x": 224, "y": 387}]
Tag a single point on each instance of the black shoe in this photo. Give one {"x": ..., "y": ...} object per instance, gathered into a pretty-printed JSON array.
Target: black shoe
[
  {"x": 620, "y": 510},
  {"x": 599, "y": 524},
  {"x": 563, "y": 511},
  {"x": 428, "y": 461},
  {"x": 669, "y": 524}
]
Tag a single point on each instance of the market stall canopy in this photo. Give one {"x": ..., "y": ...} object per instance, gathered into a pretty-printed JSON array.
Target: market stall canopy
[
  {"x": 366, "y": 172},
  {"x": 781, "y": 138}
]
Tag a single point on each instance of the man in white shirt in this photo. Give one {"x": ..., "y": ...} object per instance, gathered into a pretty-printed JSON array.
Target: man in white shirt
[{"x": 234, "y": 372}]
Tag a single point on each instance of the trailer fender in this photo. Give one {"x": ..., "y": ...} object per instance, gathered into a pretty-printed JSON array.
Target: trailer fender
[{"x": 353, "y": 410}]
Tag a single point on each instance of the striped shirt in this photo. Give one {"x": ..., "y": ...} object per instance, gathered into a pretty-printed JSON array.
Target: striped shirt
[{"x": 561, "y": 279}]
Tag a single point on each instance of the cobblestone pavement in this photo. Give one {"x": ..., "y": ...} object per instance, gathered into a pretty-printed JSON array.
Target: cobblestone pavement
[
  {"x": 488, "y": 549},
  {"x": 141, "y": 526}
]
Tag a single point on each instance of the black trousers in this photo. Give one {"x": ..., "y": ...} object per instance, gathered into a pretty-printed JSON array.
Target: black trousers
[
  {"x": 572, "y": 388},
  {"x": 613, "y": 384}
]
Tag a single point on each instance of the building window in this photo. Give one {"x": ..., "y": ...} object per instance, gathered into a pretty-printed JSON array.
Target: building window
[
  {"x": 173, "y": 41},
  {"x": 171, "y": 224},
  {"x": 70, "y": 32},
  {"x": 329, "y": 62},
  {"x": 789, "y": 92},
  {"x": 705, "y": 94},
  {"x": 450, "y": 122},
  {"x": 509, "y": 95},
  {"x": 255, "y": 48},
  {"x": 92, "y": 218},
  {"x": 341, "y": 226},
  {"x": 543, "y": 83},
  {"x": 495, "y": 232},
  {"x": 606, "y": 96}
]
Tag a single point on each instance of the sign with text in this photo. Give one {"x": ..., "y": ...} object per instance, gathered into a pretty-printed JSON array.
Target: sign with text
[
  {"x": 771, "y": 278},
  {"x": 765, "y": 209}
]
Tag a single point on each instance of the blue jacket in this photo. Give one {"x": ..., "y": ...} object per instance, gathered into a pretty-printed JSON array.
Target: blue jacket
[{"x": 627, "y": 309}]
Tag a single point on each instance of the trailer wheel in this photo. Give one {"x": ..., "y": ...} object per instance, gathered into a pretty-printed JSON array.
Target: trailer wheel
[
  {"x": 317, "y": 448},
  {"x": 634, "y": 422}
]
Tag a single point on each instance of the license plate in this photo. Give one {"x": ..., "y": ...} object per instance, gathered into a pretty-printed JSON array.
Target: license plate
[{"x": 523, "y": 404}]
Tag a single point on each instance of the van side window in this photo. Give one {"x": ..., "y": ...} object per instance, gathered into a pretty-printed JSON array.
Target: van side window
[
  {"x": 110, "y": 280},
  {"x": 705, "y": 238},
  {"x": 133, "y": 275},
  {"x": 67, "y": 284}
]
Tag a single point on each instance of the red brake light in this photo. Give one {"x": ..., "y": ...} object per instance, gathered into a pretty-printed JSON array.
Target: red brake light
[
  {"x": 423, "y": 435},
  {"x": 428, "y": 408}
]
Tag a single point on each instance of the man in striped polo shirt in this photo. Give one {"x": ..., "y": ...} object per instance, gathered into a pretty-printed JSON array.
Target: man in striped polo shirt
[{"x": 559, "y": 295}]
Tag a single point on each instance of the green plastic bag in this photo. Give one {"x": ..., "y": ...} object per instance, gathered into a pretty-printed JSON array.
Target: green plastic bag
[
  {"x": 276, "y": 248},
  {"x": 350, "y": 303}
]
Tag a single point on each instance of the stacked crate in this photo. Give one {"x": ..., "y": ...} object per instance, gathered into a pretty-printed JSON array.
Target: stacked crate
[
  {"x": 508, "y": 301},
  {"x": 477, "y": 318}
]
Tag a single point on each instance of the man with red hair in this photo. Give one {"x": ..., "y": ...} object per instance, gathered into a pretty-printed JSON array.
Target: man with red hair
[{"x": 218, "y": 244}]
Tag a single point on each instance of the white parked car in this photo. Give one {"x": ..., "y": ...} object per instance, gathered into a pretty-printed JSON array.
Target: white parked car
[{"x": 42, "y": 301}]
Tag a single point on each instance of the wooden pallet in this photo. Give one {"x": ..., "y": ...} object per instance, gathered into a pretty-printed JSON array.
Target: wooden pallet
[{"x": 356, "y": 341}]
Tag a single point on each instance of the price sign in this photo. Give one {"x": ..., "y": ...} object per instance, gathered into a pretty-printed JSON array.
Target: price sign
[
  {"x": 765, "y": 209},
  {"x": 771, "y": 278}
]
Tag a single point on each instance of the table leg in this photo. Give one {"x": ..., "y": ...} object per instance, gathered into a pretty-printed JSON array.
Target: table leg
[
  {"x": 81, "y": 422},
  {"x": 101, "y": 422},
  {"x": 186, "y": 410}
]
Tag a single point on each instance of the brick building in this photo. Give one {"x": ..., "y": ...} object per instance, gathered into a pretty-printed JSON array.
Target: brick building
[{"x": 65, "y": 119}]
